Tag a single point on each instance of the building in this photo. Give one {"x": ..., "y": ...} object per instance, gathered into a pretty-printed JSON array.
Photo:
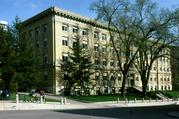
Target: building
[
  {"x": 3, "y": 24},
  {"x": 54, "y": 30}
]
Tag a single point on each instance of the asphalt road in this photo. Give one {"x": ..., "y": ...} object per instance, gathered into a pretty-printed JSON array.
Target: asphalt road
[{"x": 160, "y": 112}]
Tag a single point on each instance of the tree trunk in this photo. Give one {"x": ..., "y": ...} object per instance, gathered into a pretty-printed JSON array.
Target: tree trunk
[
  {"x": 123, "y": 87},
  {"x": 144, "y": 92}
]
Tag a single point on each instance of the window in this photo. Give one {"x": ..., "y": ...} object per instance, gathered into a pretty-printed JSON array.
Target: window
[
  {"x": 45, "y": 42},
  {"x": 161, "y": 87},
  {"x": 151, "y": 88},
  {"x": 168, "y": 87},
  {"x": 96, "y": 54},
  {"x": 45, "y": 59},
  {"x": 104, "y": 62},
  {"x": 119, "y": 78},
  {"x": 96, "y": 35},
  {"x": 104, "y": 37},
  {"x": 45, "y": 77},
  {"x": 31, "y": 34},
  {"x": 111, "y": 50},
  {"x": 85, "y": 45},
  {"x": 161, "y": 79},
  {"x": 65, "y": 57},
  {"x": 85, "y": 32},
  {"x": 64, "y": 27},
  {"x": 65, "y": 41},
  {"x": 150, "y": 78},
  {"x": 75, "y": 30},
  {"x": 112, "y": 63},
  {"x": 44, "y": 28},
  {"x": 37, "y": 45},
  {"x": 37, "y": 31},
  {"x": 104, "y": 49},
  {"x": 160, "y": 68},
  {"x": 96, "y": 47},
  {"x": 74, "y": 43},
  {"x": 168, "y": 79},
  {"x": 155, "y": 79},
  {"x": 96, "y": 61},
  {"x": 154, "y": 68}
]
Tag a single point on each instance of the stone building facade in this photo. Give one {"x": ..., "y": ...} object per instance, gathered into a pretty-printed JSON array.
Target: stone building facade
[{"x": 54, "y": 30}]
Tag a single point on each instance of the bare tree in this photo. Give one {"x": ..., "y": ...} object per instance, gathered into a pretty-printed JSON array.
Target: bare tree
[
  {"x": 114, "y": 14},
  {"x": 140, "y": 32}
]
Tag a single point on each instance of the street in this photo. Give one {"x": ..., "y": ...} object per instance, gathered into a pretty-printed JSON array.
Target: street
[{"x": 156, "y": 112}]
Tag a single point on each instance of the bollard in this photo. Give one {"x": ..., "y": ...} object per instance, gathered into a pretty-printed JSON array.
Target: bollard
[
  {"x": 168, "y": 99},
  {"x": 125, "y": 100},
  {"x": 61, "y": 100},
  {"x": 162, "y": 99},
  {"x": 142, "y": 99},
  {"x": 117, "y": 100},
  {"x": 41, "y": 99},
  {"x": 65, "y": 100},
  {"x": 17, "y": 98},
  {"x": 156, "y": 99},
  {"x": 149, "y": 99},
  {"x": 134, "y": 100}
]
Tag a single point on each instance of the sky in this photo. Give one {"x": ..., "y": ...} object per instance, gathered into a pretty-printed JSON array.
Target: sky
[{"x": 25, "y": 9}]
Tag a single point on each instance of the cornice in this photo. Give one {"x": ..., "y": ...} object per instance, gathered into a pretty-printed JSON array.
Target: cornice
[{"x": 65, "y": 14}]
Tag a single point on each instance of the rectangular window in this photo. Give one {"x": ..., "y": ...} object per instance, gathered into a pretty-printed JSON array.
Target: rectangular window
[
  {"x": 37, "y": 31},
  {"x": 64, "y": 27},
  {"x": 104, "y": 49},
  {"x": 45, "y": 42},
  {"x": 64, "y": 41},
  {"x": 104, "y": 62},
  {"x": 104, "y": 37},
  {"x": 44, "y": 28},
  {"x": 112, "y": 63},
  {"x": 96, "y": 61},
  {"x": 75, "y": 30},
  {"x": 96, "y": 47},
  {"x": 37, "y": 45},
  {"x": 45, "y": 59},
  {"x": 96, "y": 35},
  {"x": 31, "y": 34},
  {"x": 65, "y": 57},
  {"x": 85, "y": 32},
  {"x": 85, "y": 45}
]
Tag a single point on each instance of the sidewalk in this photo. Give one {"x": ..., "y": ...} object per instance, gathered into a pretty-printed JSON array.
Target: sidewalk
[{"x": 6, "y": 105}]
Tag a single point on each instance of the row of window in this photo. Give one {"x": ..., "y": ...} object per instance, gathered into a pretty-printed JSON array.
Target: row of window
[
  {"x": 162, "y": 87},
  {"x": 84, "y": 32},
  {"x": 165, "y": 69},
  {"x": 38, "y": 30},
  {"x": 161, "y": 79}
]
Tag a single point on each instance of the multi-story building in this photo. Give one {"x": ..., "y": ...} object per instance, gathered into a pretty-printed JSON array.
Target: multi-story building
[
  {"x": 54, "y": 30},
  {"x": 3, "y": 24}
]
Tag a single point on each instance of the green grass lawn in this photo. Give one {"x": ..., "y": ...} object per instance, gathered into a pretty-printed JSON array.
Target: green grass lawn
[
  {"x": 27, "y": 98},
  {"x": 103, "y": 98},
  {"x": 171, "y": 94}
]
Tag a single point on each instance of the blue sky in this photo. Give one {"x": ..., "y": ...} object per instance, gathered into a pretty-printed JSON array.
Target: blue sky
[{"x": 27, "y": 8}]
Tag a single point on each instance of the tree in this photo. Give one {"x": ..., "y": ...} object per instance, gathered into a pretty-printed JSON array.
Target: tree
[
  {"x": 17, "y": 59},
  {"x": 6, "y": 58},
  {"x": 78, "y": 68},
  {"x": 139, "y": 25},
  {"x": 114, "y": 14}
]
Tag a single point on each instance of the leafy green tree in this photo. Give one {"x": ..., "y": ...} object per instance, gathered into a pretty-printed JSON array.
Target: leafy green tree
[
  {"x": 78, "y": 68},
  {"x": 17, "y": 59}
]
